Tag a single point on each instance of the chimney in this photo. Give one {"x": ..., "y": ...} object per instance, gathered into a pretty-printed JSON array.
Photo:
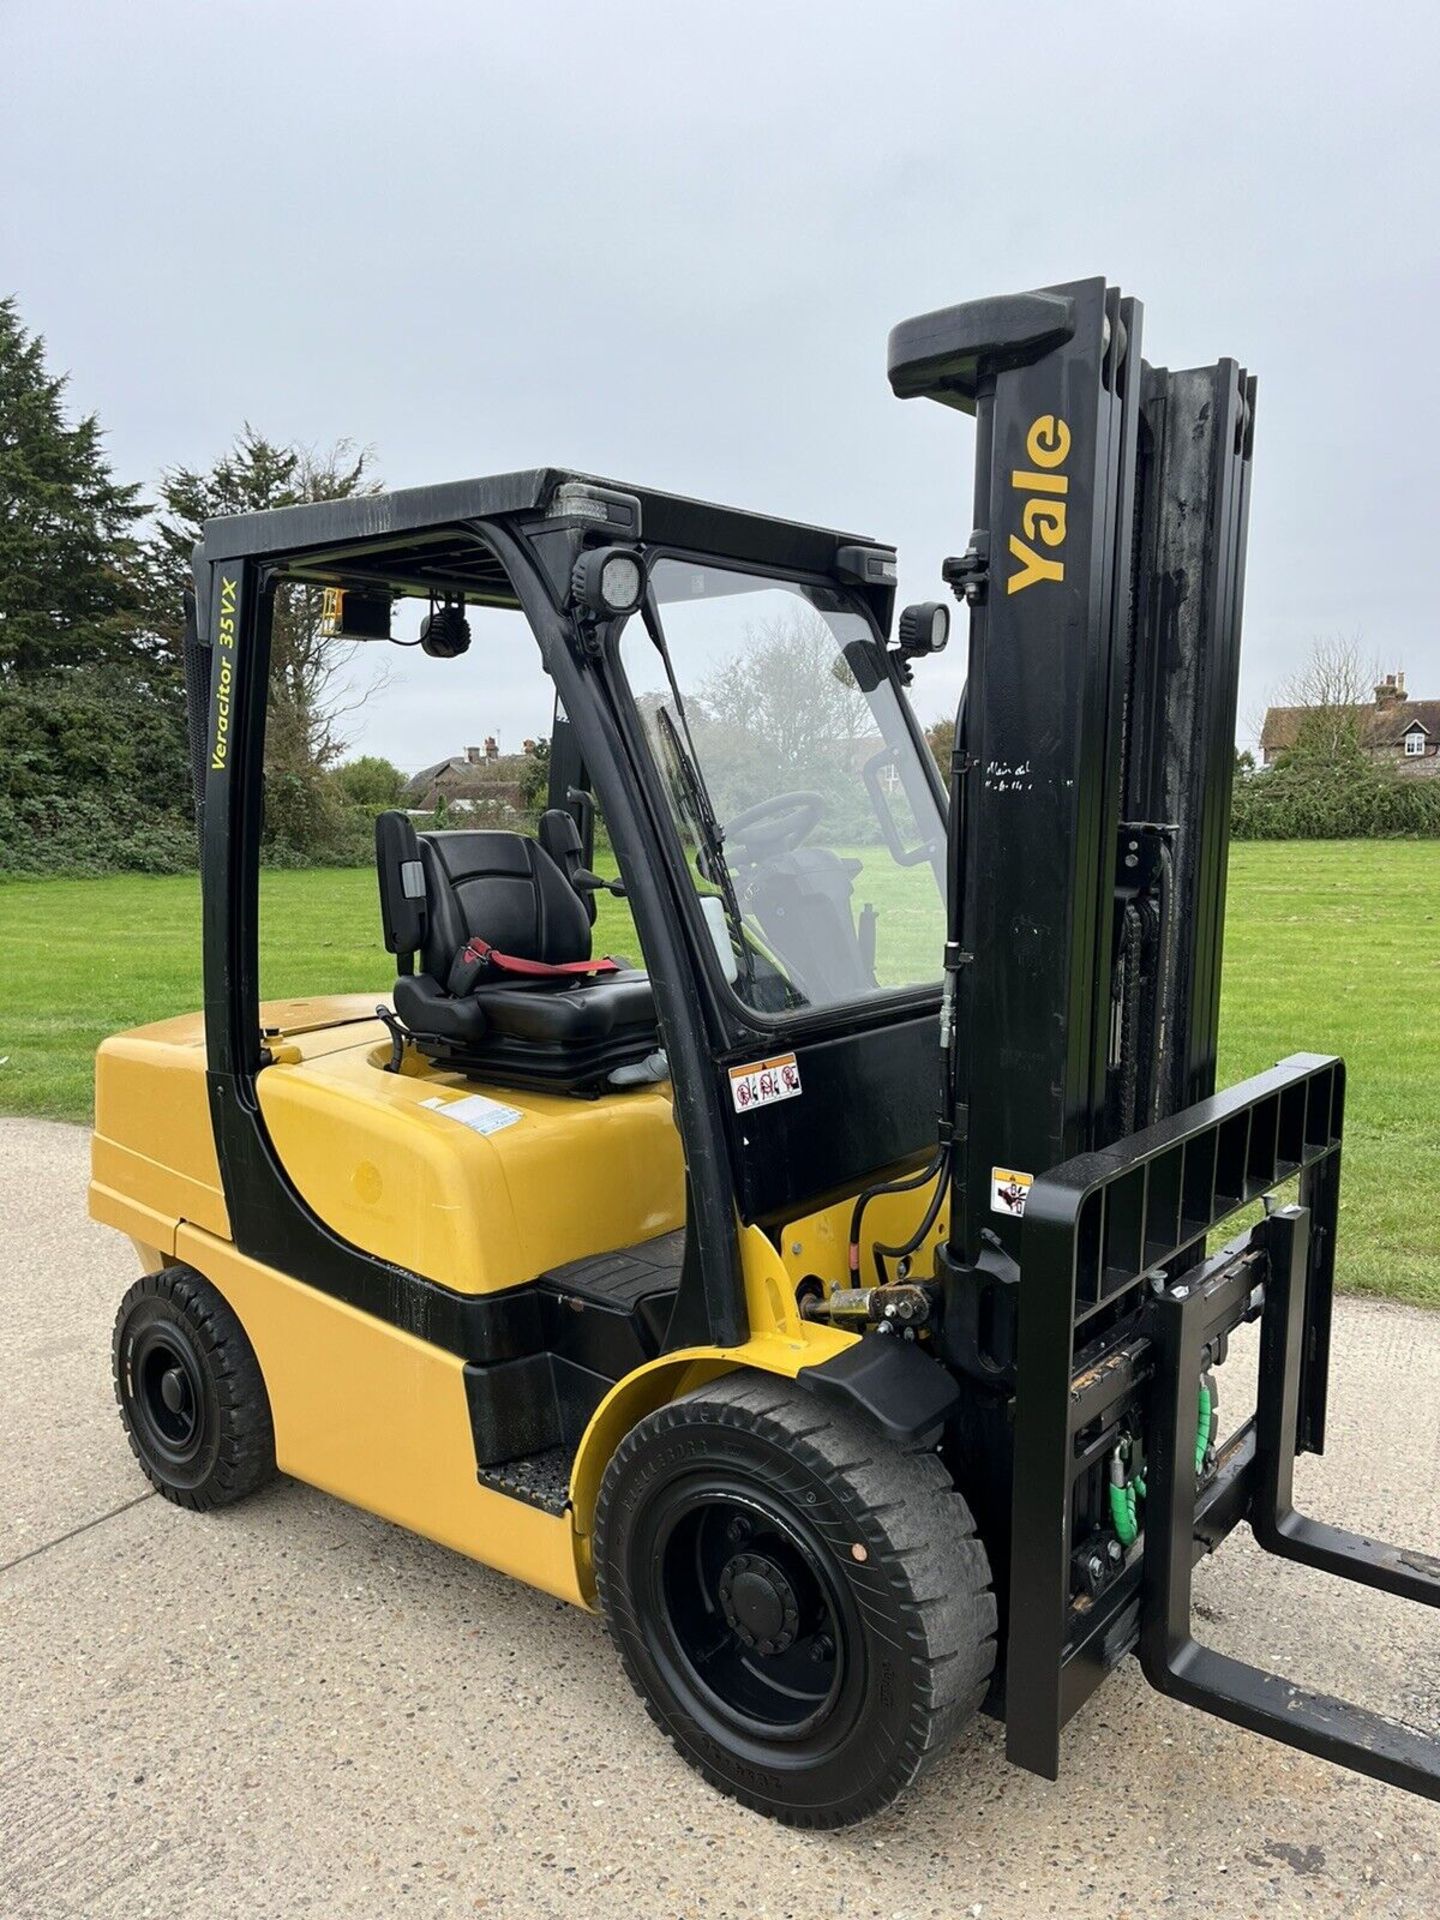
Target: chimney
[
  {"x": 1391, "y": 691},
  {"x": 492, "y": 747},
  {"x": 472, "y": 754}
]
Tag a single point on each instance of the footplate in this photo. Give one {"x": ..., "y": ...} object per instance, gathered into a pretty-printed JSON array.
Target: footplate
[{"x": 1122, "y": 1315}]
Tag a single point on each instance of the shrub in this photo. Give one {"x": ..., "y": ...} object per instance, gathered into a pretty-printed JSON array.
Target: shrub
[
  {"x": 1348, "y": 798},
  {"x": 82, "y": 834}
]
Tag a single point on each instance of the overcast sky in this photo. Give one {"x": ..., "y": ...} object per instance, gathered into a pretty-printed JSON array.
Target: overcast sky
[{"x": 666, "y": 243}]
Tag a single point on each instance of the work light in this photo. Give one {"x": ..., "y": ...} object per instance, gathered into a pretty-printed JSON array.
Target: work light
[
  {"x": 924, "y": 628},
  {"x": 608, "y": 580},
  {"x": 445, "y": 632}
]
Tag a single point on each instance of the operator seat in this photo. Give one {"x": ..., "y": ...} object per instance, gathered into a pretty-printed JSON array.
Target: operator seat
[{"x": 474, "y": 908}]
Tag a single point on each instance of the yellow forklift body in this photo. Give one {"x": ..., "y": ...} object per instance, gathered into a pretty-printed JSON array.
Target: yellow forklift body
[
  {"x": 392, "y": 1162},
  {"x": 362, "y": 1409}
]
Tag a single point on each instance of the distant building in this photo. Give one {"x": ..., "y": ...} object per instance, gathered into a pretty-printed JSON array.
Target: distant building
[
  {"x": 1395, "y": 729},
  {"x": 478, "y": 777}
]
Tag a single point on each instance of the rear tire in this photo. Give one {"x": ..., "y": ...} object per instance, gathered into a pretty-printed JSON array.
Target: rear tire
[
  {"x": 190, "y": 1392},
  {"x": 804, "y": 1610}
]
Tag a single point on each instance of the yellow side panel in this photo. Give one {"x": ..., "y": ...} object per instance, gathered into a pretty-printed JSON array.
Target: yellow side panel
[
  {"x": 379, "y": 1418},
  {"x": 817, "y": 1246},
  {"x": 475, "y": 1211},
  {"x": 153, "y": 1141},
  {"x": 151, "y": 1231}
]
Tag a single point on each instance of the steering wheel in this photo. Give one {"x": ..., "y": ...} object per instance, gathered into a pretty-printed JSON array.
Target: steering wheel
[{"x": 776, "y": 825}]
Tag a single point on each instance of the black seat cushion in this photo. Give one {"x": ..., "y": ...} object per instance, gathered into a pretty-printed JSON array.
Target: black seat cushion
[{"x": 614, "y": 1007}]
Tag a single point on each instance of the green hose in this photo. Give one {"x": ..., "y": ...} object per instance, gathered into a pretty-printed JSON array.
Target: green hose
[
  {"x": 1202, "y": 1430},
  {"x": 1126, "y": 1495},
  {"x": 1122, "y": 1512}
]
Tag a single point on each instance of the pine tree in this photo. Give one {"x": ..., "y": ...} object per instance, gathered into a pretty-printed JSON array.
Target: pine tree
[
  {"x": 69, "y": 590},
  {"x": 306, "y": 673}
]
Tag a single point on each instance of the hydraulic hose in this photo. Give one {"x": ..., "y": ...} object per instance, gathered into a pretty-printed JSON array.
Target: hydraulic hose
[
  {"x": 936, "y": 1165},
  {"x": 1123, "y": 1498},
  {"x": 1126, "y": 1492},
  {"x": 1202, "y": 1426},
  {"x": 941, "y": 1164}
]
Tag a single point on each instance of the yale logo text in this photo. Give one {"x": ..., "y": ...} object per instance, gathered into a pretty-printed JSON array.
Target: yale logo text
[{"x": 1043, "y": 488}]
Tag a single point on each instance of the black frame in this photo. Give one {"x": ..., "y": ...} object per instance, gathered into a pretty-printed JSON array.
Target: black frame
[
  {"x": 868, "y": 1064},
  {"x": 498, "y": 541}
]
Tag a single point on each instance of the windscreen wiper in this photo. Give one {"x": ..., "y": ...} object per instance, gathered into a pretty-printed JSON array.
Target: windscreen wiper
[
  {"x": 686, "y": 763},
  {"x": 708, "y": 831}
]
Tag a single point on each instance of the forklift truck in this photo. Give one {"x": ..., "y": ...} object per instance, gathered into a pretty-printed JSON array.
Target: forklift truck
[{"x": 843, "y": 1325}]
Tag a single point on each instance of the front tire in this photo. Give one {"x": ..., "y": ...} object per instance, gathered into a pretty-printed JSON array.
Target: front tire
[
  {"x": 190, "y": 1391},
  {"x": 804, "y": 1610}
]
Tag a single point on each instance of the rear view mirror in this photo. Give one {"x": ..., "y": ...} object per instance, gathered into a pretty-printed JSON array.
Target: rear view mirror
[{"x": 882, "y": 778}]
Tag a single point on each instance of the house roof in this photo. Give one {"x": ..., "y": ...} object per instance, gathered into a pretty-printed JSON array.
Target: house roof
[
  {"x": 1380, "y": 726},
  {"x": 474, "y": 779},
  {"x": 427, "y": 774}
]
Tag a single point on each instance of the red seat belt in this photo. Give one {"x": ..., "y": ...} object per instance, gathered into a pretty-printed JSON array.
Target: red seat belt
[{"x": 481, "y": 951}]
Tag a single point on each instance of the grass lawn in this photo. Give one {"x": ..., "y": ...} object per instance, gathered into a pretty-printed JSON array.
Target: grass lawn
[{"x": 1330, "y": 947}]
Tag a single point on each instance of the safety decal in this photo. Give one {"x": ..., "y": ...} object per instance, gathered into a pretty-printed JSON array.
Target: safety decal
[
  {"x": 476, "y": 1112},
  {"x": 1009, "y": 1191},
  {"x": 762, "y": 1084}
]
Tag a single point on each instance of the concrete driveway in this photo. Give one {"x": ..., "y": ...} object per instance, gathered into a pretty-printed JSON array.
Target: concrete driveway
[{"x": 293, "y": 1708}]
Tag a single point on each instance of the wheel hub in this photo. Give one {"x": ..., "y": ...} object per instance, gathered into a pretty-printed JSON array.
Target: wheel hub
[
  {"x": 166, "y": 1394},
  {"x": 758, "y": 1603},
  {"x": 172, "y": 1389}
]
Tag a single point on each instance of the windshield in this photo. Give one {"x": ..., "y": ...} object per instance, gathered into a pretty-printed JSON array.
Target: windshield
[{"x": 811, "y": 829}]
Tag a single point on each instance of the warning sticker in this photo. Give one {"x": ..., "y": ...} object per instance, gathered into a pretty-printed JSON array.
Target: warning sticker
[
  {"x": 765, "y": 1082},
  {"x": 476, "y": 1112},
  {"x": 1009, "y": 1191}
]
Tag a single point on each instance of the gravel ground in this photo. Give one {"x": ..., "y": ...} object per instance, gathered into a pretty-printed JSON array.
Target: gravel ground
[{"x": 294, "y": 1708}]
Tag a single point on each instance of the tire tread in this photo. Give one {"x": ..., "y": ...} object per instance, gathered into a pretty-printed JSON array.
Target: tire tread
[
  {"x": 246, "y": 1458},
  {"x": 905, "y": 1506}
]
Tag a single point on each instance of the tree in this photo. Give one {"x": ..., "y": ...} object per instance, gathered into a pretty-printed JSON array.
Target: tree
[
  {"x": 1333, "y": 688},
  {"x": 940, "y": 738},
  {"x": 784, "y": 712},
  {"x": 69, "y": 594},
  {"x": 535, "y": 776},
  {"x": 370, "y": 782},
  {"x": 92, "y": 727},
  {"x": 1326, "y": 785},
  {"x": 309, "y": 693}
]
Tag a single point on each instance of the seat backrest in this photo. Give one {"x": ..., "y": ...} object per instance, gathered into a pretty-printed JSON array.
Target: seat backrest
[{"x": 501, "y": 886}]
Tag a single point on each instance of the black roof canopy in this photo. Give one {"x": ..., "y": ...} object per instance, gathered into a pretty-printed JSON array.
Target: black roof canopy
[{"x": 417, "y": 536}]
